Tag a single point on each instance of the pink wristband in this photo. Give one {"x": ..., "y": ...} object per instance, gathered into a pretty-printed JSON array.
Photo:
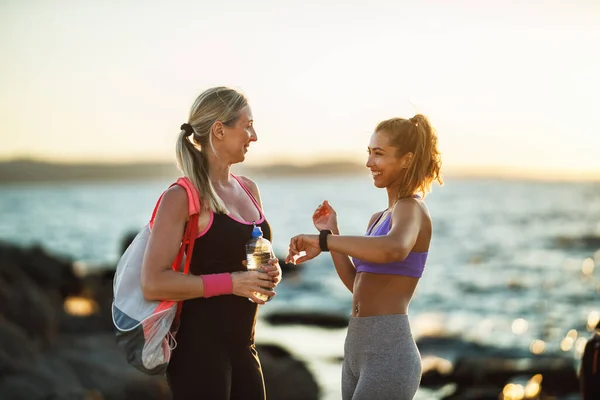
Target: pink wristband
[{"x": 217, "y": 284}]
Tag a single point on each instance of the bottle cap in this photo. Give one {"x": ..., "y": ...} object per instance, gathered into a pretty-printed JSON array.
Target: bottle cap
[{"x": 256, "y": 231}]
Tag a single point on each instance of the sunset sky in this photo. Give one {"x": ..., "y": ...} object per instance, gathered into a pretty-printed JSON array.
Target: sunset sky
[{"x": 506, "y": 85}]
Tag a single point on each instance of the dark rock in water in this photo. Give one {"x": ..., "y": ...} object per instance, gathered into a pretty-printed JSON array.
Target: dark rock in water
[
  {"x": 482, "y": 371},
  {"x": 286, "y": 378},
  {"x": 47, "y": 378},
  {"x": 452, "y": 347},
  {"x": 98, "y": 363},
  {"x": 46, "y": 271},
  {"x": 585, "y": 242},
  {"x": 475, "y": 393},
  {"x": 25, "y": 304},
  {"x": 322, "y": 320},
  {"x": 35, "y": 387},
  {"x": 37, "y": 360},
  {"x": 127, "y": 240},
  {"x": 559, "y": 373},
  {"x": 18, "y": 351}
]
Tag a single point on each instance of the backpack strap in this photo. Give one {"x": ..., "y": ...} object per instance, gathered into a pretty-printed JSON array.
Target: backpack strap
[
  {"x": 189, "y": 236},
  {"x": 193, "y": 195},
  {"x": 191, "y": 227}
]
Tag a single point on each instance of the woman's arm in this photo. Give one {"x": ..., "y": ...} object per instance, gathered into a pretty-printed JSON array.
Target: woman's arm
[
  {"x": 159, "y": 281},
  {"x": 395, "y": 246},
  {"x": 344, "y": 266}
]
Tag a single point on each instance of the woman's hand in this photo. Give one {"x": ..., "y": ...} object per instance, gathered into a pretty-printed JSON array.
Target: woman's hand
[
  {"x": 248, "y": 283},
  {"x": 273, "y": 270},
  {"x": 308, "y": 245},
  {"x": 325, "y": 217}
]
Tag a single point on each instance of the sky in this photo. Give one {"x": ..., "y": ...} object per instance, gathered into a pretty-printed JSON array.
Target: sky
[{"x": 507, "y": 85}]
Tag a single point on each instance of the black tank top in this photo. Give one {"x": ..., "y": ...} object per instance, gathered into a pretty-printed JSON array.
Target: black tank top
[{"x": 227, "y": 319}]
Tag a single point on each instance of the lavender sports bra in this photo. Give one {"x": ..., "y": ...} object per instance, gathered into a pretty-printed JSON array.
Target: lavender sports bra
[{"x": 413, "y": 265}]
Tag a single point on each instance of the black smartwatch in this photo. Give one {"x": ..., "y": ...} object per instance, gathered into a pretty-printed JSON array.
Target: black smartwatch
[{"x": 323, "y": 239}]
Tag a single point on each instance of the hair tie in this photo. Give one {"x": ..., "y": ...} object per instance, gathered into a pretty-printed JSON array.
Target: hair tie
[
  {"x": 414, "y": 121},
  {"x": 189, "y": 131}
]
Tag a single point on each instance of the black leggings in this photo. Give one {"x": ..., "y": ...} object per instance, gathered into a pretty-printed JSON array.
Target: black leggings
[{"x": 219, "y": 374}]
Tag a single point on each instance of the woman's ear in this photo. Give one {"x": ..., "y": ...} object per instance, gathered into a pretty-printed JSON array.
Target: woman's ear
[
  {"x": 218, "y": 130},
  {"x": 406, "y": 160}
]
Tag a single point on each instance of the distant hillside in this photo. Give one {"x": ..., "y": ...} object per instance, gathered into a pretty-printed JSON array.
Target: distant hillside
[
  {"x": 37, "y": 171},
  {"x": 34, "y": 171},
  {"x": 325, "y": 168}
]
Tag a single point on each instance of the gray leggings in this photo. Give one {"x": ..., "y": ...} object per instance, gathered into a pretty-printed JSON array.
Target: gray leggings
[{"x": 381, "y": 359}]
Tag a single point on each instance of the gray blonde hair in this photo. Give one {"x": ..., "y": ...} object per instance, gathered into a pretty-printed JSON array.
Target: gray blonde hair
[{"x": 216, "y": 104}]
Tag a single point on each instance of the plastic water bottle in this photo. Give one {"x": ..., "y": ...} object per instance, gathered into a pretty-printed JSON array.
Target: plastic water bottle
[{"x": 258, "y": 253}]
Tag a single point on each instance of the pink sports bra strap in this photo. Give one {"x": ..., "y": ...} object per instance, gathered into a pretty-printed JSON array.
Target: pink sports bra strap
[{"x": 249, "y": 193}]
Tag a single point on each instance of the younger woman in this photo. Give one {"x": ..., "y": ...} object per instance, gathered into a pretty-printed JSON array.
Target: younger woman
[{"x": 382, "y": 268}]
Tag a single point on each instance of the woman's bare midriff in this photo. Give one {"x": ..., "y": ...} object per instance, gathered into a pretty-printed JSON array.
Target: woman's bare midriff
[{"x": 380, "y": 294}]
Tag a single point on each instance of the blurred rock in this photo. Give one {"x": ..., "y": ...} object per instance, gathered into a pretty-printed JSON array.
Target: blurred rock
[
  {"x": 17, "y": 351},
  {"x": 38, "y": 360},
  {"x": 559, "y": 373},
  {"x": 316, "y": 318},
  {"x": 475, "y": 393},
  {"x": 481, "y": 371},
  {"x": 23, "y": 302},
  {"x": 286, "y": 378},
  {"x": 585, "y": 242}
]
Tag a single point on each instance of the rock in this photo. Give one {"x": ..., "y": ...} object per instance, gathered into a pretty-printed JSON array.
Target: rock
[
  {"x": 481, "y": 371},
  {"x": 559, "y": 373},
  {"x": 25, "y": 304},
  {"x": 585, "y": 242},
  {"x": 452, "y": 347},
  {"x": 475, "y": 393},
  {"x": 48, "y": 272},
  {"x": 323, "y": 320},
  {"x": 17, "y": 351},
  {"x": 286, "y": 378},
  {"x": 99, "y": 364},
  {"x": 47, "y": 378}
]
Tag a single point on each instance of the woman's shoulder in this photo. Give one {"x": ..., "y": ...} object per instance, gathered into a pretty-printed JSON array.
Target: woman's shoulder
[
  {"x": 247, "y": 181},
  {"x": 411, "y": 207},
  {"x": 174, "y": 202},
  {"x": 250, "y": 185}
]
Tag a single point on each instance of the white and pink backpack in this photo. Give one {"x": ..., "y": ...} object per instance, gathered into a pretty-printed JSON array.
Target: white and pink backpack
[{"x": 146, "y": 329}]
